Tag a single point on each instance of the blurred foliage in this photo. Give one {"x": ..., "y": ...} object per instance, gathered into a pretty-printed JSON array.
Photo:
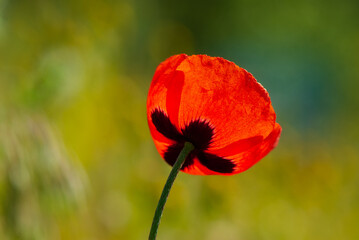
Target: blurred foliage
[
  {"x": 77, "y": 160},
  {"x": 39, "y": 186}
]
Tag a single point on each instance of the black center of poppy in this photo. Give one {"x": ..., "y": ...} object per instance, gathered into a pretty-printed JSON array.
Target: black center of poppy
[{"x": 199, "y": 133}]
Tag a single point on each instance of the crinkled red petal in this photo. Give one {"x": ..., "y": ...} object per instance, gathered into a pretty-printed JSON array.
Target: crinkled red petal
[{"x": 215, "y": 90}]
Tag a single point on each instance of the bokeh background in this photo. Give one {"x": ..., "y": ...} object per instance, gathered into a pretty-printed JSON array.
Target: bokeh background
[{"x": 76, "y": 157}]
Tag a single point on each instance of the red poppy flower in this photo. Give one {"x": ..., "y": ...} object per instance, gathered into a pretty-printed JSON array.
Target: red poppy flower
[{"x": 217, "y": 106}]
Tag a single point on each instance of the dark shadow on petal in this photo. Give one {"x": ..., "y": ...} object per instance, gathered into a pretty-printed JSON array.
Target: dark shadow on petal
[
  {"x": 199, "y": 133},
  {"x": 172, "y": 153},
  {"x": 164, "y": 125},
  {"x": 215, "y": 163}
]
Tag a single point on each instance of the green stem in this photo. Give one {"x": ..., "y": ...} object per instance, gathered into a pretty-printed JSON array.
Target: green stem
[{"x": 188, "y": 147}]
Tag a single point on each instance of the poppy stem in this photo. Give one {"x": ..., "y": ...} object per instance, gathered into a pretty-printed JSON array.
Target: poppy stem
[{"x": 188, "y": 147}]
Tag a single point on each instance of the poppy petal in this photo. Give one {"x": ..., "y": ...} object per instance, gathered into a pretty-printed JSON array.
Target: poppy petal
[
  {"x": 238, "y": 146},
  {"x": 215, "y": 163},
  {"x": 168, "y": 66},
  {"x": 157, "y": 136},
  {"x": 236, "y": 105},
  {"x": 165, "y": 82},
  {"x": 270, "y": 142},
  {"x": 174, "y": 92},
  {"x": 250, "y": 157},
  {"x": 163, "y": 125}
]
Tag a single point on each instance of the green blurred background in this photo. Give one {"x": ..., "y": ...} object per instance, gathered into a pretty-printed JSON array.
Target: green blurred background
[{"x": 76, "y": 157}]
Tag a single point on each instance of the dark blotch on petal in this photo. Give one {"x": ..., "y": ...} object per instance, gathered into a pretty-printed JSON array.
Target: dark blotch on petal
[
  {"x": 215, "y": 163},
  {"x": 172, "y": 153},
  {"x": 164, "y": 125},
  {"x": 199, "y": 133}
]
